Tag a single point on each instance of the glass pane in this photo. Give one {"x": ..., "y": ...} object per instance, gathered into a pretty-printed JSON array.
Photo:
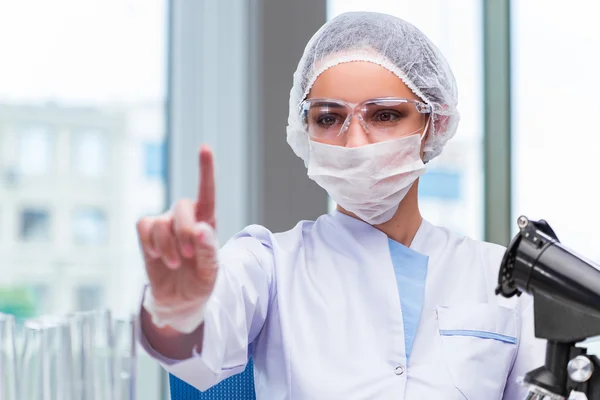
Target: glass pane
[
  {"x": 90, "y": 227},
  {"x": 35, "y": 225},
  {"x": 82, "y": 93},
  {"x": 35, "y": 151},
  {"x": 154, "y": 160},
  {"x": 89, "y": 153},
  {"x": 555, "y": 68},
  {"x": 451, "y": 192},
  {"x": 76, "y": 103}
]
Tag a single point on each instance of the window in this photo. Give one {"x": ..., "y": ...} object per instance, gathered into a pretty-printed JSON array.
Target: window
[
  {"x": 451, "y": 192},
  {"x": 89, "y": 153},
  {"x": 90, "y": 227},
  {"x": 154, "y": 160},
  {"x": 76, "y": 77},
  {"x": 35, "y": 151},
  {"x": 35, "y": 225},
  {"x": 441, "y": 184},
  {"x": 555, "y": 86}
]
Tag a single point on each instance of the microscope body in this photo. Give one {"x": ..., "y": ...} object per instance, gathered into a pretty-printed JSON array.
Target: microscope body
[{"x": 566, "y": 298}]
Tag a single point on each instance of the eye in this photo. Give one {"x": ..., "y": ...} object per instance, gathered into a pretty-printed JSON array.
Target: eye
[
  {"x": 327, "y": 120},
  {"x": 386, "y": 116}
]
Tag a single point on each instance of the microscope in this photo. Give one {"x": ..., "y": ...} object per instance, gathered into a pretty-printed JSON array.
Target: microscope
[{"x": 566, "y": 301}]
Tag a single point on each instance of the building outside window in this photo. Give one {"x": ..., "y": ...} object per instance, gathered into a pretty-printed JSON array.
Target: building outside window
[
  {"x": 34, "y": 224},
  {"x": 89, "y": 154},
  {"x": 90, "y": 226},
  {"x": 75, "y": 104},
  {"x": 35, "y": 151}
]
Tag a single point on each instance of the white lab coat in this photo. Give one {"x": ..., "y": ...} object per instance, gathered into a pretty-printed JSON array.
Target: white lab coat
[{"x": 320, "y": 309}]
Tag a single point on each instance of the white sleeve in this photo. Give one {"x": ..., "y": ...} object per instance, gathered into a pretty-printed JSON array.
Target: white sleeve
[
  {"x": 530, "y": 354},
  {"x": 234, "y": 314}
]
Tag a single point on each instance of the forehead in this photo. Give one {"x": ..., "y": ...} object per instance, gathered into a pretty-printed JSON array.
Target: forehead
[{"x": 358, "y": 81}]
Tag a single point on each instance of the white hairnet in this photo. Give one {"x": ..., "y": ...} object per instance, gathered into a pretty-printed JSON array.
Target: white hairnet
[{"x": 395, "y": 45}]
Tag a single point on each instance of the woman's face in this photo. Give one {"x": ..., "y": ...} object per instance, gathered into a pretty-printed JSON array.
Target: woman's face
[{"x": 356, "y": 82}]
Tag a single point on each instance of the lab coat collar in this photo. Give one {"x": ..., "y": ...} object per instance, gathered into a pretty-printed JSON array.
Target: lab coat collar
[{"x": 360, "y": 230}]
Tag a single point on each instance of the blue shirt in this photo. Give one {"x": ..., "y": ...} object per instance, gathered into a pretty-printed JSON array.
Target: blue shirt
[{"x": 410, "y": 268}]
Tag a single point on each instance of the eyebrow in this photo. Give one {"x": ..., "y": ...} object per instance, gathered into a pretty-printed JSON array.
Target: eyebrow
[{"x": 328, "y": 104}]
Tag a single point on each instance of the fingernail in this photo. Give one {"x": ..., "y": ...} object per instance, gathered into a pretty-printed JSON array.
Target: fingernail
[
  {"x": 172, "y": 262},
  {"x": 153, "y": 253},
  {"x": 205, "y": 234},
  {"x": 199, "y": 230},
  {"x": 199, "y": 227},
  {"x": 188, "y": 250}
]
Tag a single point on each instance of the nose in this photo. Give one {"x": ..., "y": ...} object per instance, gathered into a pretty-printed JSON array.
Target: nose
[{"x": 356, "y": 135}]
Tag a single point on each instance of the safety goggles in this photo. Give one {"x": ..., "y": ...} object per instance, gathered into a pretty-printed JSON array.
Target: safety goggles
[{"x": 388, "y": 118}]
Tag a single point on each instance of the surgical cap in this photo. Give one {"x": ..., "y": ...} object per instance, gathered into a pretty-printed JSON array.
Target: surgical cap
[{"x": 395, "y": 45}]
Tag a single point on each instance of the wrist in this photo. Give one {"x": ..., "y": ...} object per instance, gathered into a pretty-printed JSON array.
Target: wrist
[{"x": 184, "y": 317}]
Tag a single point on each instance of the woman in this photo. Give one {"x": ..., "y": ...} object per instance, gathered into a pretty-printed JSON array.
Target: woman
[{"x": 369, "y": 302}]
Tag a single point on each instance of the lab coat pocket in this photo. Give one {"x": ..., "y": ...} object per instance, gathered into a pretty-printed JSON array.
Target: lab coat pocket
[{"x": 479, "y": 343}]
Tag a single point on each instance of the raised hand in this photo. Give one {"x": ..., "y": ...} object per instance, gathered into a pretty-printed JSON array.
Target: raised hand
[{"x": 180, "y": 249}]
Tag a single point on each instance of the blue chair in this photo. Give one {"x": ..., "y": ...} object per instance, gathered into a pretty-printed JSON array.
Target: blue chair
[{"x": 237, "y": 387}]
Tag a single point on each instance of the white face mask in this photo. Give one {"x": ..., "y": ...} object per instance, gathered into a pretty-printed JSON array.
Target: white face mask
[{"x": 369, "y": 181}]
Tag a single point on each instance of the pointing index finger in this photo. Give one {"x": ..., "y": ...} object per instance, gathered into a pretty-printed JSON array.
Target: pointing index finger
[{"x": 205, "y": 206}]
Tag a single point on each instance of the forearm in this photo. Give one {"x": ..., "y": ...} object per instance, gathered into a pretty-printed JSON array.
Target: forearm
[{"x": 168, "y": 342}]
